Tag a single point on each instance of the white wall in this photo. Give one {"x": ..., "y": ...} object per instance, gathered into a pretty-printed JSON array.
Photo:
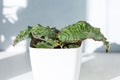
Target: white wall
[{"x": 114, "y": 21}]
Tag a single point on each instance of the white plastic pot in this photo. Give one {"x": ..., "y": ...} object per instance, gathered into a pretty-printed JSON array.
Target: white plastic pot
[{"x": 55, "y": 64}]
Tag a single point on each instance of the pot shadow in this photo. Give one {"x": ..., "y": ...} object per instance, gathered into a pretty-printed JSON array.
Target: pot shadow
[
  {"x": 102, "y": 67},
  {"x": 114, "y": 48},
  {"x": 13, "y": 66}
]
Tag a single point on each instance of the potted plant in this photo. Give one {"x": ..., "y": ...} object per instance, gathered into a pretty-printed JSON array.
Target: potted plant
[{"x": 55, "y": 54}]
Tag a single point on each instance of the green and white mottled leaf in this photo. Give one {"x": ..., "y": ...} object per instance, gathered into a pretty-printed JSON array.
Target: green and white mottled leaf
[
  {"x": 22, "y": 35},
  {"x": 81, "y": 31},
  {"x": 39, "y": 31}
]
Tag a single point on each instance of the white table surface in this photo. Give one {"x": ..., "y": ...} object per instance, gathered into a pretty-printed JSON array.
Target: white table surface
[{"x": 97, "y": 66}]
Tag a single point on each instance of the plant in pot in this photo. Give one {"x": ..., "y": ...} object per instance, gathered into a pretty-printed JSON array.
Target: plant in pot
[{"x": 55, "y": 54}]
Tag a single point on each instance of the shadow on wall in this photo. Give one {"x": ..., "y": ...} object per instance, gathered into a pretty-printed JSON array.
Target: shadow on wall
[
  {"x": 10, "y": 23},
  {"x": 114, "y": 48},
  {"x": 57, "y": 13}
]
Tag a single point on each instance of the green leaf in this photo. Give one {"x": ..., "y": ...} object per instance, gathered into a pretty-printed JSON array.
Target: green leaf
[
  {"x": 81, "y": 31},
  {"x": 51, "y": 42},
  {"x": 22, "y": 35},
  {"x": 42, "y": 45},
  {"x": 39, "y": 32}
]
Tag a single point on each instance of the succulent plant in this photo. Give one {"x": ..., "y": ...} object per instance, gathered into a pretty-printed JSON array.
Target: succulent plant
[{"x": 70, "y": 36}]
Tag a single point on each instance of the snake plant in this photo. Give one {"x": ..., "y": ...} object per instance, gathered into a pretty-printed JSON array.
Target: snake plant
[{"x": 70, "y": 36}]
